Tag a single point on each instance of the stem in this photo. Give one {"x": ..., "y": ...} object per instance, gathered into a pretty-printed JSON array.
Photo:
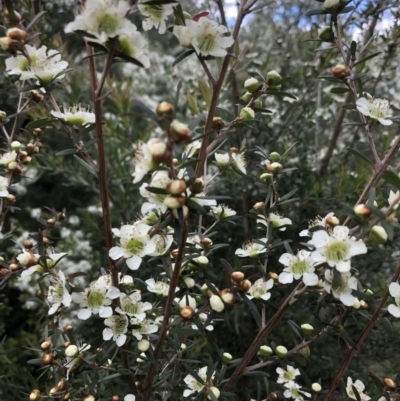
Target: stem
[
  {"x": 167, "y": 312},
  {"x": 360, "y": 341}
]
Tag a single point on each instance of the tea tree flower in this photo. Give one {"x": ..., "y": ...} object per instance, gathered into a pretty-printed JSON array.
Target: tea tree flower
[
  {"x": 131, "y": 305},
  {"x": 336, "y": 248},
  {"x": 58, "y": 293},
  {"x": 294, "y": 392},
  {"x": 260, "y": 289},
  {"x": 330, "y": 220},
  {"x": 278, "y": 221},
  {"x": 239, "y": 162},
  {"x": 158, "y": 287},
  {"x": 144, "y": 161},
  {"x": 287, "y": 376},
  {"x": 135, "y": 244},
  {"x": 144, "y": 327},
  {"x": 102, "y": 19},
  {"x": 394, "y": 290},
  {"x": 251, "y": 249},
  {"x": 75, "y": 115},
  {"x": 343, "y": 290},
  {"x": 163, "y": 243},
  {"x": 117, "y": 327},
  {"x": 299, "y": 266},
  {"x": 194, "y": 385},
  {"x": 359, "y": 385},
  {"x": 222, "y": 159},
  {"x": 3, "y": 186},
  {"x": 7, "y": 158},
  {"x": 223, "y": 211},
  {"x": 160, "y": 180},
  {"x": 186, "y": 300},
  {"x": 43, "y": 64},
  {"x": 156, "y": 15},
  {"x": 376, "y": 110},
  {"x": 392, "y": 198},
  {"x": 129, "y": 397}
]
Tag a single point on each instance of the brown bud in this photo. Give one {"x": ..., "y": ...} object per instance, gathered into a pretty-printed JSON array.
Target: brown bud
[
  {"x": 217, "y": 123},
  {"x": 38, "y": 132},
  {"x": 16, "y": 19},
  {"x": 175, "y": 162},
  {"x": 175, "y": 187},
  {"x": 22, "y": 154},
  {"x": 68, "y": 329},
  {"x": 67, "y": 396},
  {"x": 34, "y": 395},
  {"x": 187, "y": 312},
  {"x": 362, "y": 211},
  {"x": 11, "y": 199},
  {"x": 36, "y": 96},
  {"x": 45, "y": 346},
  {"x": 237, "y": 277},
  {"x": 61, "y": 216},
  {"x": 48, "y": 359},
  {"x": 206, "y": 243},
  {"x": 115, "y": 398},
  {"x": 197, "y": 186},
  {"x": 29, "y": 147},
  {"x": 28, "y": 244},
  {"x": 274, "y": 276},
  {"x": 165, "y": 110},
  {"x": 180, "y": 132},
  {"x": 17, "y": 34},
  {"x": 45, "y": 240},
  {"x": 228, "y": 296},
  {"x": 389, "y": 384},
  {"x": 50, "y": 222},
  {"x": 174, "y": 202},
  {"x": 174, "y": 253},
  {"x": 259, "y": 207},
  {"x": 13, "y": 267},
  {"x": 272, "y": 397},
  {"x": 67, "y": 344},
  {"x": 234, "y": 150},
  {"x": 62, "y": 384},
  {"x": 4, "y": 272},
  {"x": 40, "y": 295},
  {"x": 341, "y": 71},
  {"x": 244, "y": 285},
  {"x": 159, "y": 152}
]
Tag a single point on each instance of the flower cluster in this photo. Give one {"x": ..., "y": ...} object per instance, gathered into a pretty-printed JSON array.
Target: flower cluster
[{"x": 292, "y": 389}]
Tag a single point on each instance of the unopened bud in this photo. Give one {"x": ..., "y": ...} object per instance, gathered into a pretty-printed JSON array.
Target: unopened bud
[
  {"x": 305, "y": 351},
  {"x": 281, "y": 351},
  {"x": 216, "y": 303},
  {"x": 15, "y": 145},
  {"x": 36, "y": 96},
  {"x": 143, "y": 345},
  {"x": 362, "y": 211},
  {"x": 89, "y": 398},
  {"x": 247, "y": 113},
  {"x": 273, "y": 78},
  {"x": 11, "y": 199},
  {"x": 206, "y": 243},
  {"x": 332, "y": 221},
  {"x": 341, "y": 71},
  {"x": 228, "y": 296},
  {"x": 274, "y": 276},
  {"x": 45, "y": 346},
  {"x": 245, "y": 285},
  {"x": 34, "y": 395},
  {"x": 114, "y": 398},
  {"x": 259, "y": 207},
  {"x": 226, "y": 357},
  {"x": 62, "y": 384},
  {"x": 50, "y": 222},
  {"x": 251, "y": 85},
  {"x": 175, "y": 187},
  {"x": 363, "y": 304},
  {"x": 331, "y": 5},
  {"x": 368, "y": 292},
  {"x": 377, "y": 235},
  {"x": 257, "y": 104},
  {"x": 48, "y": 359},
  {"x": 189, "y": 282},
  {"x": 215, "y": 392},
  {"x": 316, "y": 387},
  {"x": 237, "y": 277},
  {"x": 389, "y": 384},
  {"x": 180, "y": 132},
  {"x": 201, "y": 261},
  {"x": 12, "y": 165},
  {"x": 68, "y": 329},
  {"x": 217, "y": 123},
  {"x": 197, "y": 186},
  {"x": 272, "y": 396},
  {"x": 274, "y": 168},
  {"x": 71, "y": 351},
  {"x": 187, "y": 312},
  {"x": 17, "y": 34},
  {"x": 265, "y": 351},
  {"x": 326, "y": 34},
  {"x": 13, "y": 267},
  {"x": 174, "y": 202},
  {"x": 267, "y": 178},
  {"x": 6, "y": 43},
  {"x": 174, "y": 253},
  {"x": 37, "y": 132},
  {"x": 274, "y": 156},
  {"x": 247, "y": 97},
  {"x": 165, "y": 110},
  {"x": 140, "y": 360},
  {"x": 159, "y": 151},
  {"x": 307, "y": 329}
]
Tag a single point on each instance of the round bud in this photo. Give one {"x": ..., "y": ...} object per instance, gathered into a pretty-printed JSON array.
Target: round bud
[
  {"x": 16, "y": 145},
  {"x": 62, "y": 384},
  {"x": 217, "y": 123},
  {"x": 216, "y": 303},
  {"x": 233, "y": 150},
  {"x": 363, "y": 304},
  {"x": 247, "y": 113},
  {"x": 305, "y": 351},
  {"x": 114, "y": 398},
  {"x": 13, "y": 267},
  {"x": 226, "y": 357},
  {"x": 377, "y": 235},
  {"x": 6, "y": 43},
  {"x": 273, "y": 78},
  {"x": 34, "y": 395},
  {"x": 206, "y": 243},
  {"x": 180, "y": 132},
  {"x": 37, "y": 132},
  {"x": 275, "y": 156},
  {"x": 189, "y": 282},
  {"x": 201, "y": 261},
  {"x": 48, "y": 359},
  {"x": 332, "y": 221},
  {"x": 281, "y": 351},
  {"x": 307, "y": 329},
  {"x": 228, "y": 296},
  {"x": 36, "y": 96},
  {"x": 50, "y": 222},
  {"x": 267, "y": 178},
  {"x": 389, "y": 384},
  {"x": 72, "y": 351},
  {"x": 45, "y": 346},
  {"x": 237, "y": 277},
  {"x": 368, "y": 292},
  {"x": 259, "y": 207},
  {"x": 68, "y": 329},
  {"x": 257, "y": 104},
  {"x": 245, "y": 285},
  {"x": 316, "y": 387},
  {"x": 272, "y": 397},
  {"x": 159, "y": 151},
  {"x": 89, "y": 398},
  {"x": 143, "y": 345},
  {"x": 341, "y": 71},
  {"x": 326, "y": 34},
  {"x": 17, "y": 34},
  {"x": 140, "y": 360},
  {"x": 247, "y": 97},
  {"x": 165, "y": 110},
  {"x": 265, "y": 351},
  {"x": 362, "y": 211},
  {"x": 186, "y": 312},
  {"x": 274, "y": 276},
  {"x": 251, "y": 85},
  {"x": 12, "y": 165},
  {"x": 197, "y": 186},
  {"x": 331, "y": 5},
  {"x": 274, "y": 168},
  {"x": 205, "y": 291},
  {"x": 175, "y": 187},
  {"x": 215, "y": 392},
  {"x": 174, "y": 202},
  {"x": 174, "y": 253}
]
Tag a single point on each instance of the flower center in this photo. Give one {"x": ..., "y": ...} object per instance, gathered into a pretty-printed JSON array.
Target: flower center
[
  {"x": 108, "y": 23},
  {"x": 131, "y": 308},
  {"x": 288, "y": 375},
  {"x": 339, "y": 288},
  {"x": 379, "y": 108},
  {"x": 95, "y": 299},
  {"x": 58, "y": 292},
  {"x": 120, "y": 325},
  {"x": 299, "y": 267},
  {"x": 206, "y": 42},
  {"x": 134, "y": 246},
  {"x": 155, "y": 11},
  {"x": 125, "y": 47},
  {"x": 337, "y": 251}
]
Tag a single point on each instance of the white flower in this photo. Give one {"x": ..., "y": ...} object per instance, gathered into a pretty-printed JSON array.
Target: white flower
[
  {"x": 43, "y": 64},
  {"x": 294, "y": 392},
  {"x": 376, "y": 110},
  {"x": 341, "y": 291},
  {"x": 277, "y": 221},
  {"x": 146, "y": 326},
  {"x": 251, "y": 249},
  {"x": 193, "y": 384},
  {"x": 160, "y": 180},
  {"x": 117, "y": 327},
  {"x": 199, "y": 198},
  {"x": 301, "y": 265},
  {"x": 143, "y": 160},
  {"x": 392, "y": 197},
  {"x": 3, "y": 186},
  {"x": 192, "y": 148},
  {"x": 58, "y": 293},
  {"x": 135, "y": 244},
  {"x": 186, "y": 300},
  {"x": 287, "y": 376},
  {"x": 239, "y": 162},
  {"x": 75, "y": 115},
  {"x": 26, "y": 258},
  {"x": 7, "y": 158},
  {"x": 222, "y": 159},
  {"x": 101, "y": 18},
  {"x": 129, "y": 397},
  {"x": 203, "y": 317},
  {"x": 216, "y": 303},
  {"x": 394, "y": 289},
  {"x": 157, "y": 14},
  {"x": 359, "y": 385},
  {"x": 158, "y": 287},
  {"x": 260, "y": 289},
  {"x": 163, "y": 243},
  {"x": 329, "y": 220},
  {"x": 96, "y": 298},
  {"x": 206, "y": 36},
  {"x": 222, "y": 211},
  {"x": 336, "y": 248},
  {"x": 132, "y": 306}
]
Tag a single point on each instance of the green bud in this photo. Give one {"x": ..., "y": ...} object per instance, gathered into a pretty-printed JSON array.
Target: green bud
[
  {"x": 251, "y": 85},
  {"x": 307, "y": 329},
  {"x": 3, "y": 116},
  {"x": 274, "y": 156},
  {"x": 316, "y": 387},
  {"x": 326, "y": 34},
  {"x": 273, "y": 78},
  {"x": 331, "y": 5},
  {"x": 265, "y": 351},
  {"x": 247, "y": 113},
  {"x": 266, "y": 178},
  {"x": 15, "y": 145},
  {"x": 281, "y": 351},
  {"x": 305, "y": 351},
  {"x": 257, "y": 104},
  {"x": 378, "y": 235},
  {"x": 226, "y": 357},
  {"x": 247, "y": 97}
]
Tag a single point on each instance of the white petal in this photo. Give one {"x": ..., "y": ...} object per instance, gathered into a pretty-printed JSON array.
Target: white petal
[
  {"x": 343, "y": 266},
  {"x": 188, "y": 392},
  {"x": 78, "y": 297},
  {"x": 116, "y": 232},
  {"x": 310, "y": 279},
  {"x": 347, "y": 298},
  {"x": 84, "y": 314},
  {"x": 116, "y": 252},
  {"x": 341, "y": 232},
  {"x": 394, "y": 289},
  {"x": 266, "y": 296},
  {"x": 287, "y": 259},
  {"x": 150, "y": 247},
  {"x": 358, "y": 248},
  {"x": 107, "y": 334},
  {"x": 121, "y": 340},
  {"x": 113, "y": 292},
  {"x": 54, "y": 308},
  {"x": 105, "y": 311},
  {"x": 286, "y": 278},
  {"x": 134, "y": 262},
  {"x": 67, "y": 299},
  {"x": 317, "y": 257},
  {"x": 385, "y": 122},
  {"x": 394, "y": 310},
  {"x": 319, "y": 239}
]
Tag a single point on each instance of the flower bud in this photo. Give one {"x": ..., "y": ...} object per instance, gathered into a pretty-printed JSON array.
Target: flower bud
[
  {"x": 143, "y": 345},
  {"x": 331, "y": 5},
  {"x": 251, "y": 85},
  {"x": 274, "y": 168},
  {"x": 17, "y": 34},
  {"x": 222, "y": 159},
  {"x": 281, "y": 351},
  {"x": 62, "y": 384},
  {"x": 217, "y": 123},
  {"x": 13, "y": 267},
  {"x": 197, "y": 186},
  {"x": 237, "y": 277},
  {"x": 189, "y": 282},
  {"x": 72, "y": 351},
  {"x": 378, "y": 235},
  {"x": 45, "y": 346},
  {"x": 36, "y": 96},
  {"x": 341, "y": 71},
  {"x": 12, "y": 165},
  {"x": 274, "y": 276},
  {"x": 332, "y": 221},
  {"x": 3, "y": 116},
  {"x": 259, "y": 207},
  {"x": 48, "y": 359},
  {"x": 247, "y": 97},
  {"x": 305, "y": 351},
  {"x": 266, "y": 178},
  {"x": 226, "y": 357},
  {"x": 247, "y": 113},
  {"x": 326, "y": 34},
  {"x": 165, "y": 110},
  {"x": 389, "y": 384},
  {"x": 175, "y": 187},
  {"x": 274, "y": 156},
  {"x": 307, "y": 329},
  {"x": 11, "y": 199},
  {"x": 368, "y": 292},
  {"x": 140, "y": 360},
  {"x": 202, "y": 261},
  {"x": 180, "y": 132},
  {"x": 206, "y": 243},
  {"x": 228, "y": 296},
  {"x": 316, "y": 387},
  {"x": 159, "y": 152},
  {"x": 34, "y": 395},
  {"x": 215, "y": 392},
  {"x": 15, "y": 145},
  {"x": 273, "y": 78},
  {"x": 6, "y": 43},
  {"x": 272, "y": 396},
  {"x": 89, "y": 398},
  {"x": 245, "y": 285},
  {"x": 257, "y": 104},
  {"x": 174, "y": 202},
  {"x": 265, "y": 351},
  {"x": 69, "y": 329},
  {"x": 216, "y": 303},
  {"x": 363, "y": 304},
  {"x": 114, "y": 398},
  {"x": 362, "y": 211},
  {"x": 356, "y": 304},
  {"x": 185, "y": 211}
]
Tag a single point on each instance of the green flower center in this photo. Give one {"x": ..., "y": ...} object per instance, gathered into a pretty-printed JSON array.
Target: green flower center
[
  {"x": 58, "y": 292},
  {"x": 337, "y": 251},
  {"x": 288, "y": 375},
  {"x": 155, "y": 11},
  {"x": 131, "y": 308},
  {"x": 120, "y": 325},
  {"x": 299, "y": 267},
  {"x": 125, "y": 47},
  {"x": 206, "y": 42},
  {"x": 96, "y": 299},
  {"x": 134, "y": 246},
  {"x": 108, "y": 23},
  {"x": 339, "y": 288},
  {"x": 76, "y": 120},
  {"x": 25, "y": 64}
]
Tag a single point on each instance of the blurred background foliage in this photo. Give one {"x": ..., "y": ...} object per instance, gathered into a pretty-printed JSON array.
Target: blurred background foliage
[{"x": 276, "y": 37}]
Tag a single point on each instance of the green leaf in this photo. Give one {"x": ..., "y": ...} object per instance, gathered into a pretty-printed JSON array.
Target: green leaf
[
  {"x": 66, "y": 152},
  {"x": 316, "y": 12},
  {"x": 367, "y": 58},
  {"x": 182, "y": 56},
  {"x": 42, "y": 122},
  {"x": 192, "y": 103},
  {"x": 140, "y": 105},
  {"x": 387, "y": 325},
  {"x": 282, "y": 94},
  {"x": 339, "y": 90},
  {"x": 288, "y": 195},
  {"x": 392, "y": 178},
  {"x": 355, "y": 391},
  {"x": 85, "y": 165},
  {"x": 353, "y": 49},
  {"x": 191, "y": 204},
  {"x": 378, "y": 382},
  {"x": 206, "y": 92},
  {"x": 360, "y": 155},
  {"x": 156, "y": 190}
]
